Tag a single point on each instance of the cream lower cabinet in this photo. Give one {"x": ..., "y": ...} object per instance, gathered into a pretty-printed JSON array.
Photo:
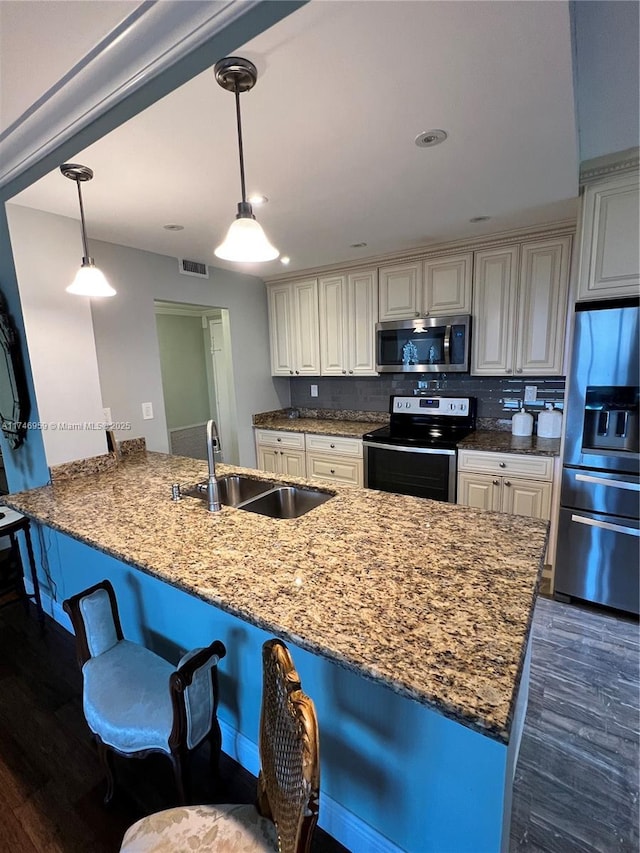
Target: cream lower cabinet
[
  {"x": 520, "y": 296},
  {"x": 281, "y": 452},
  {"x": 335, "y": 459},
  {"x": 506, "y": 482}
]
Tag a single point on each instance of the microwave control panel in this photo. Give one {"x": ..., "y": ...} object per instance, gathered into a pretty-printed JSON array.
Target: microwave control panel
[{"x": 455, "y": 406}]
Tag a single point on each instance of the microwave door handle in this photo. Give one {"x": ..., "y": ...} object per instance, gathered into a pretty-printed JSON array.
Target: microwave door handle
[
  {"x": 447, "y": 345},
  {"x": 621, "y": 424}
]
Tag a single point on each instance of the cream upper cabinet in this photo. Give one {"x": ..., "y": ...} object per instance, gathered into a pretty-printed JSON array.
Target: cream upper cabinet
[
  {"x": 293, "y": 328},
  {"x": 400, "y": 287},
  {"x": 520, "y": 308},
  {"x": 609, "y": 250},
  {"x": 437, "y": 286},
  {"x": 348, "y": 314},
  {"x": 447, "y": 285}
]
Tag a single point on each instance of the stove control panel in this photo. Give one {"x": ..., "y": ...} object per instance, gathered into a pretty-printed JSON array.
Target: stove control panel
[{"x": 453, "y": 406}]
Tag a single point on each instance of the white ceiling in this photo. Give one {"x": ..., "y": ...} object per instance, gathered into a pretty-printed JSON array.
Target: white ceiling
[{"x": 343, "y": 90}]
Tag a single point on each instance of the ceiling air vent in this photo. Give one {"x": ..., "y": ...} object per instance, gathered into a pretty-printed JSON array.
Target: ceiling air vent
[{"x": 196, "y": 268}]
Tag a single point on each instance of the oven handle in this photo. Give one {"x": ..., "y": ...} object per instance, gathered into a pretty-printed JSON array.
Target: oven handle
[
  {"x": 615, "y": 484},
  {"x": 606, "y": 525},
  {"x": 440, "y": 451}
]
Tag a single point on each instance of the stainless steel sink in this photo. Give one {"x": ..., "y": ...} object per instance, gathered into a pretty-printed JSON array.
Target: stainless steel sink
[
  {"x": 234, "y": 489},
  {"x": 286, "y": 502}
]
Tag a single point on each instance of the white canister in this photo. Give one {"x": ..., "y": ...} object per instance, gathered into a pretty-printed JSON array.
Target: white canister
[
  {"x": 522, "y": 423},
  {"x": 550, "y": 422}
]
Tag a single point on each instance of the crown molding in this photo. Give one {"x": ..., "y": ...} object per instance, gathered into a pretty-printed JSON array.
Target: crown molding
[
  {"x": 610, "y": 164},
  {"x": 561, "y": 228}
]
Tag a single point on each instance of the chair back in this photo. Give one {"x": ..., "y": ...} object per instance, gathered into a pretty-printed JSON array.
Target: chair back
[
  {"x": 96, "y": 622},
  {"x": 289, "y": 781}
]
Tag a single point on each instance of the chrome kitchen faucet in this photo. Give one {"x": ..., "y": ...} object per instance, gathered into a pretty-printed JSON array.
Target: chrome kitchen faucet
[{"x": 213, "y": 490}]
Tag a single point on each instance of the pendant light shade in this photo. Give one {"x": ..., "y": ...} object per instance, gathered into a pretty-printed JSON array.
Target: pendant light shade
[
  {"x": 245, "y": 241},
  {"x": 89, "y": 280}
]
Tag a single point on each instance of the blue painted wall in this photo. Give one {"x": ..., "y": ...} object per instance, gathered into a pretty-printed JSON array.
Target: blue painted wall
[{"x": 418, "y": 779}]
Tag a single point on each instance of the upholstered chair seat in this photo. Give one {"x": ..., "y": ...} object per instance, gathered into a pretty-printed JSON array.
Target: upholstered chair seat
[
  {"x": 284, "y": 819},
  {"x": 135, "y": 702}
]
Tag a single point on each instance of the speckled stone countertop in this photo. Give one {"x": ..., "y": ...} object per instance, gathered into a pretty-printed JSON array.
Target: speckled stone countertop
[
  {"x": 432, "y": 599},
  {"x": 503, "y": 442},
  {"x": 348, "y": 424}
]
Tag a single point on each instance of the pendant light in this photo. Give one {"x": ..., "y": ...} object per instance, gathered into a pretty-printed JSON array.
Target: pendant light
[
  {"x": 245, "y": 240},
  {"x": 89, "y": 280}
]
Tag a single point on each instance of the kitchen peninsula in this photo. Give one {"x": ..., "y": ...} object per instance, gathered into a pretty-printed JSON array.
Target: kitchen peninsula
[{"x": 409, "y": 622}]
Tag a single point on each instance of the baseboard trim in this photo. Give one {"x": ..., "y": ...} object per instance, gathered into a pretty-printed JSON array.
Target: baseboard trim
[{"x": 356, "y": 835}]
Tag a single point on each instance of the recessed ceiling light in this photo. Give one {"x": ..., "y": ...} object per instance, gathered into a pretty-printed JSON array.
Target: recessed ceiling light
[
  {"x": 479, "y": 218},
  {"x": 258, "y": 199},
  {"x": 358, "y": 245},
  {"x": 429, "y": 138},
  {"x": 285, "y": 259},
  {"x": 173, "y": 227}
]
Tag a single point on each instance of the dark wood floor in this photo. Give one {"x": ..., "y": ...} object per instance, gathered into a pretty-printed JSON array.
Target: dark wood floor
[{"x": 576, "y": 781}]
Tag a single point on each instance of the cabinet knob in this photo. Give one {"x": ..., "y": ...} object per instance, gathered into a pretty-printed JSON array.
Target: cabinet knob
[
  {"x": 332, "y": 445},
  {"x": 297, "y": 372},
  {"x": 507, "y": 483},
  {"x": 519, "y": 370},
  {"x": 502, "y": 464},
  {"x": 496, "y": 482},
  {"x": 332, "y": 470},
  {"x": 417, "y": 314},
  {"x": 279, "y": 439},
  {"x": 291, "y": 372},
  {"x": 508, "y": 370},
  {"x": 426, "y": 314},
  {"x": 351, "y": 371},
  {"x": 344, "y": 371}
]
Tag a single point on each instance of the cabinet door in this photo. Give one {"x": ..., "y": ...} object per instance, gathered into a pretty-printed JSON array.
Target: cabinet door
[
  {"x": 481, "y": 491},
  {"x": 281, "y": 334},
  {"x": 306, "y": 328},
  {"x": 360, "y": 331},
  {"x": 333, "y": 320},
  {"x": 494, "y": 311},
  {"x": 542, "y": 307},
  {"x": 400, "y": 286},
  {"x": 526, "y": 497},
  {"x": 268, "y": 459},
  {"x": 293, "y": 462},
  {"x": 447, "y": 285},
  {"x": 609, "y": 256}
]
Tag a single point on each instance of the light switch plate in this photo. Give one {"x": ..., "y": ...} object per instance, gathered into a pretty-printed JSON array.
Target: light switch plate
[
  {"x": 530, "y": 393},
  {"x": 147, "y": 411},
  {"x": 314, "y": 390}
]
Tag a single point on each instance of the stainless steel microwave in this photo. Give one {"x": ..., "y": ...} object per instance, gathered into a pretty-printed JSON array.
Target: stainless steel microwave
[{"x": 424, "y": 345}]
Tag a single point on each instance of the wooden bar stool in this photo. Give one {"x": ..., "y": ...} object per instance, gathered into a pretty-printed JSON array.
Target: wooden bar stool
[{"x": 11, "y": 573}]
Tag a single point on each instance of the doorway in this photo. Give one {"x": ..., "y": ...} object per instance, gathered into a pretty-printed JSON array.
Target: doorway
[{"x": 197, "y": 378}]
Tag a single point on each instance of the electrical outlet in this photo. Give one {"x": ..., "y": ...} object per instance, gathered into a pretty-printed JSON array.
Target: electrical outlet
[
  {"x": 106, "y": 414},
  {"x": 147, "y": 411},
  {"x": 314, "y": 390},
  {"x": 530, "y": 393}
]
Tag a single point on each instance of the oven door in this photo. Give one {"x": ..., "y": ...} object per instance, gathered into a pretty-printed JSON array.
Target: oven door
[{"x": 418, "y": 471}]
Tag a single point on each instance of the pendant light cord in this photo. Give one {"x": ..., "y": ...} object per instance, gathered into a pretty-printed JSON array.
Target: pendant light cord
[
  {"x": 240, "y": 148},
  {"x": 84, "y": 227}
]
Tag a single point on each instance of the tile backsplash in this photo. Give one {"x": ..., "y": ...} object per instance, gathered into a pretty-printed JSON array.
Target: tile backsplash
[{"x": 497, "y": 397}]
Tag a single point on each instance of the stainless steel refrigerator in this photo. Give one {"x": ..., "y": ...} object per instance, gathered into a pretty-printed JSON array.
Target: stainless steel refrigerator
[{"x": 597, "y": 558}]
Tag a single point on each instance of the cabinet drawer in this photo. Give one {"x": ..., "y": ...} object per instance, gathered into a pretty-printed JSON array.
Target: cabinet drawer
[
  {"x": 334, "y": 468},
  {"x": 329, "y": 444},
  {"x": 514, "y": 464},
  {"x": 276, "y": 438}
]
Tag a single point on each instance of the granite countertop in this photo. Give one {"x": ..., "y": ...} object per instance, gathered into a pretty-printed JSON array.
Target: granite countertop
[
  {"x": 497, "y": 441},
  {"x": 340, "y": 422},
  {"x": 432, "y": 599}
]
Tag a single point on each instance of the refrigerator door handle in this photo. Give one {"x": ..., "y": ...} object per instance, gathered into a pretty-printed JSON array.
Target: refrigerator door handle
[
  {"x": 615, "y": 484},
  {"x": 606, "y": 525}
]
